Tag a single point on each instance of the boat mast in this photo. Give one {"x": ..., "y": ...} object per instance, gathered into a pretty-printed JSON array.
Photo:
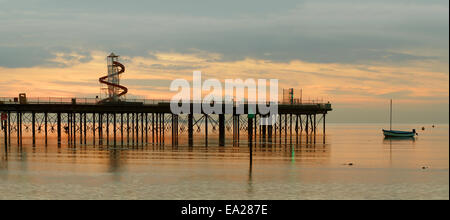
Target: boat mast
[{"x": 390, "y": 128}]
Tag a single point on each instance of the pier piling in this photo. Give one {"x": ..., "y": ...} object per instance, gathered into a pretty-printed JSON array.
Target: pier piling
[
  {"x": 80, "y": 127},
  {"x": 93, "y": 128},
  {"x": 191, "y": 129},
  {"x": 58, "y": 127},
  {"x": 33, "y": 125},
  {"x": 114, "y": 128},
  {"x": 221, "y": 130},
  {"x": 45, "y": 126},
  {"x": 9, "y": 127},
  {"x": 121, "y": 128},
  {"x": 153, "y": 128},
  {"x": 206, "y": 129}
]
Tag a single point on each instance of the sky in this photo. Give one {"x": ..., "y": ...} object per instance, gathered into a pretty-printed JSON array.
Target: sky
[{"x": 355, "y": 54}]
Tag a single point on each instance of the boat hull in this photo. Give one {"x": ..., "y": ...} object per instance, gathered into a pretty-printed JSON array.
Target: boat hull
[{"x": 393, "y": 133}]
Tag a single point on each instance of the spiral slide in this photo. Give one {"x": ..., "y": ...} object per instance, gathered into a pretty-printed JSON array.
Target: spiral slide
[{"x": 104, "y": 78}]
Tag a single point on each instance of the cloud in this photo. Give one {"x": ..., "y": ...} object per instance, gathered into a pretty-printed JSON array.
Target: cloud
[
  {"x": 354, "y": 53},
  {"x": 175, "y": 67},
  {"x": 345, "y": 85},
  {"x": 29, "y": 56},
  {"x": 314, "y": 31}
]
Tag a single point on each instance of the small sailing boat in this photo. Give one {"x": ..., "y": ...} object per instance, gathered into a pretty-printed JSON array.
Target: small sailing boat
[{"x": 394, "y": 133}]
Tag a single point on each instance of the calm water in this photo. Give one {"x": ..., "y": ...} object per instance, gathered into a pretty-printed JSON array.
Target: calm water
[{"x": 382, "y": 169}]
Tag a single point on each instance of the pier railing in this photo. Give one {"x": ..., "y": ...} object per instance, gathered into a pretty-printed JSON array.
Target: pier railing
[{"x": 94, "y": 101}]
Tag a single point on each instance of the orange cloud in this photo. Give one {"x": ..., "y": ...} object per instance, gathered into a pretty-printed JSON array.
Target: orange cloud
[{"x": 420, "y": 82}]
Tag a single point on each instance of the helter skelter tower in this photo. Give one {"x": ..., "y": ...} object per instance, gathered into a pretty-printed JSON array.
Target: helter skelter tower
[{"x": 112, "y": 80}]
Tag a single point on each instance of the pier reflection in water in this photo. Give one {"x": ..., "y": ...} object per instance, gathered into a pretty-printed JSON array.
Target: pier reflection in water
[{"x": 286, "y": 168}]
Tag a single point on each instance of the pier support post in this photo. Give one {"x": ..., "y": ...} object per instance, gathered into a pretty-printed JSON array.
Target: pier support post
[
  {"x": 5, "y": 128},
  {"x": 301, "y": 124},
  {"x": 81, "y": 128},
  {"x": 160, "y": 129},
  {"x": 121, "y": 128},
  {"x": 274, "y": 127},
  {"x": 173, "y": 129},
  {"x": 107, "y": 128},
  {"x": 221, "y": 130},
  {"x": 146, "y": 128},
  {"x": 234, "y": 128},
  {"x": 191, "y": 129},
  {"x": 256, "y": 126},
  {"x": 100, "y": 128},
  {"x": 21, "y": 125},
  {"x": 142, "y": 128},
  {"x": 260, "y": 127},
  {"x": 270, "y": 131},
  {"x": 74, "y": 123},
  {"x": 163, "y": 126},
  {"x": 58, "y": 127},
  {"x": 69, "y": 128},
  {"x": 85, "y": 127},
  {"x": 45, "y": 126},
  {"x": 128, "y": 128},
  {"x": 153, "y": 127},
  {"x": 264, "y": 126},
  {"x": 9, "y": 127},
  {"x": 157, "y": 127},
  {"x": 314, "y": 125},
  {"x": 206, "y": 129},
  {"x": 137, "y": 127},
  {"x": 285, "y": 126},
  {"x": 269, "y": 128},
  {"x": 307, "y": 125},
  {"x": 290, "y": 125},
  {"x": 139, "y": 130},
  {"x": 281, "y": 125},
  {"x": 324, "y": 127},
  {"x": 114, "y": 127},
  {"x": 132, "y": 128},
  {"x": 238, "y": 117},
  {"x": 176, "y": 128},
  {"x": 93, "y": 128},
  {"x": 250, "y": 129},
  {"x": 33, "y": 125},
  {"x": 18, "y": 131}
]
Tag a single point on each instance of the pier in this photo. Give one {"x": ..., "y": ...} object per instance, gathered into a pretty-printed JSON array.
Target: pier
[
  {"x": 115, "y": 120},
  {"x": 149, "y": 121}
]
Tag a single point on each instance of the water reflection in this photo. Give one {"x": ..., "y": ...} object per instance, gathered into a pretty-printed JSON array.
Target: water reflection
[
  {"x": 390, "y": 139},
  {"x": 162, "y": 163},
  {"x": 4, "y": 159},
  {"x": 398, "y": 143},
  {"x": 293, "y": 151},
  {"x": 114, "y": 160},
  {"x": 273, "y": 168}
]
